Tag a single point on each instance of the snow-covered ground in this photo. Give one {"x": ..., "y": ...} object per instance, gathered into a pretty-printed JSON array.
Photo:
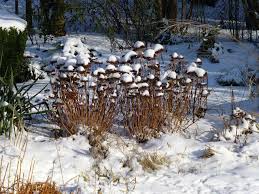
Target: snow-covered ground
[
  {"x": 234, "y": 167},
  {"x": 8, "y": 20}
]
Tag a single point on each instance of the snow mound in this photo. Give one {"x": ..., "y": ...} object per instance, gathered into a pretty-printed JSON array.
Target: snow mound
[
  {"x": 125, "y": 69},
  {"x": 136, "y": 67},
  {"x": 115, "y": 75},
  {"x": 112, "y": 59},
  {"x": 99, "y": 71},
  {"x": 139, "y": 44},
  {"x": 71, "y": 62},
  {"x": 151, "y": 76},
  {"x": 138, "y": 79},
  {"x": 111, "y": 68},
  {"x": 175, "y": 55},
  {"x": 194, "y": 69},
  {"x": 83, "y": 59},
  {"x": 80, "y": 69},
  {"x": 74, "y": 46},
  {"x": 145, "y": 93},
  {"x": 61, "y": 60},
  {"x": 8, "y": 21},
  {"x": 170, "y": 75},
  {"x": 129, "y": 56},
  {"x": 149, "y": 53},
  {"x": 127, "y": 78},
  {"x": 234, "y": 77},
  {"x": 158, "y": 47}
]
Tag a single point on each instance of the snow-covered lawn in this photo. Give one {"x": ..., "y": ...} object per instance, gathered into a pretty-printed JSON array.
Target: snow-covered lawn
[
  {"x": 8, "y": 20},
  {"x": 234, "y": 167}
]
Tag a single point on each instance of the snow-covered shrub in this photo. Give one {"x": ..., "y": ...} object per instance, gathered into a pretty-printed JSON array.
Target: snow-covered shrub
[
  {"x": 237, "y": 76},
  {"x": 12, "y": 46},
  {"x": 234, "y": 77},
  {"x": 149, "y": 100},
  {"x": 216, "y": 51},
  {"x": 209, "y": 48},
  {"x": 239, "y": 126}
]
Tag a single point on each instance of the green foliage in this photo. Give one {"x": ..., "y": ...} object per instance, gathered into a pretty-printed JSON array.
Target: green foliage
[
  {"x": 12, "y": 46},
  {"x": 15, "y": 105}
]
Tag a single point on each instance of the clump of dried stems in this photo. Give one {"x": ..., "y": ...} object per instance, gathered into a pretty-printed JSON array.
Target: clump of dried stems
[
  {"x": 133, "y": 88},
  {"x": 154, "y": 161},
  {"x": 19, "y": 184}
]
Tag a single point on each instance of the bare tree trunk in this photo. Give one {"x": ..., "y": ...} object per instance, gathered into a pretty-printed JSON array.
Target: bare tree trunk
[
  {"x": 29, "y": 14},
  {"x": 58, "y": 18},
  {"x": 183, "y": 16},
  {"x": 16, "y": 7},
  {"x": 172, "y": 10},
  {"x": 160, "y": 8},
  {"x": 52, "y": 14},
  {"x": 250, "y": 8},
  {"x": 189, "y": 15}
]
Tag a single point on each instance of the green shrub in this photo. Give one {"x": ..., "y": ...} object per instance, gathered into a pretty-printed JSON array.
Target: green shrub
[
  {"x": 12, "y": 46},
  {"x": 15, "y": 104}
]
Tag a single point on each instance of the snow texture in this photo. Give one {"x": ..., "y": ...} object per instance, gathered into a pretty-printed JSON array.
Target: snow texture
[
  {"x": 149, "y": 53},
  {"x": 158, "y": 47},
  {"x": 126, "y": 78},
  {"x": 8, "y": 21},
  {"x": 139, "y": 44}
]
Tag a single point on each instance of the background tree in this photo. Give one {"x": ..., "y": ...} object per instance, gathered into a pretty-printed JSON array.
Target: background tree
[
  {"x": 29, "y": 13},
  {"x": 184, "y": 7},
  {"x": 172, "y": 9},
  {"x": 167, "y": 9},
  {"x": 53, "y": 19},
  {"x": 251, "y": 8},
  {"x": 16, "y": 7},
  {"x": 58, "y": 18}
]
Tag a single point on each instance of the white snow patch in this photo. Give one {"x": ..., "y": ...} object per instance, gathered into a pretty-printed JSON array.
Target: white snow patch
[
  {"x": 127, "y": 78},
  {"x": 139, "y": 44},
  {"x": 149, "y": 53},
  {"x": 8, "y": 21},
  {"x": 158, "y": 47},
  {"x": 112, "y": 59},
  {"x": 128, "y": 57},
  {"x": 125, "y": 69}
]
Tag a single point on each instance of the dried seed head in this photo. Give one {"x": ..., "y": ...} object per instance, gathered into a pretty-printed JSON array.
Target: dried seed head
[
  {"x": 126, "y": 78},
  {"x": 137, "y": 79},
  {"x": 149, "y": 54},
  {"x": 151, "y": 77},
  {"x": 99, "y": 71},
  {"x": 175, "y": 55},
  {"x": 127, "y": 58},
  {"x": 158, "y": 48},
  {"x": 80, "y": 69},
  {"x": 138, "y": 45},
  {"x": 110, "y": 69},
  {"x": 125, "y": 69},
  {"x": 145, "y": 93},
  {"x": 112, "y": 60}
]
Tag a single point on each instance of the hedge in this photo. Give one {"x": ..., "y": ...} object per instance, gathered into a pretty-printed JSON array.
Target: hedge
[{"x": 12, "y": 46}]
